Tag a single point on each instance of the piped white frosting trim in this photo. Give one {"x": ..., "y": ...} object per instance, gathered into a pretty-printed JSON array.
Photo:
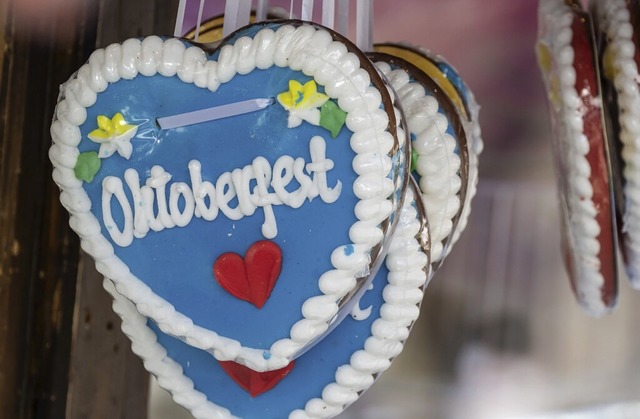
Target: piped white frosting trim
[
  {"x": 402, "y": 295},
  {"x": 302, "y": 48},
  {"x": 475, "y": 149},
  {"x": 475, "y": 146},
  {"x": 615, "y": 21},
  {"x": 438, "y": 164},
  {"x": 572, "y": 146},
  {"x": 169, "y": 373}
]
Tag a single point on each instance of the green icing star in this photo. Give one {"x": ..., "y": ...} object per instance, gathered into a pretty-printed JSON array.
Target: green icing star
[
  {"x": 87, "y": 166},
  {"x": 332, "y": 117}
]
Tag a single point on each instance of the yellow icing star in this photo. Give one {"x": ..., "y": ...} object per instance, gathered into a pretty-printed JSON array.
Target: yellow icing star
[
  {"x": 545, "y": 61},
  {"x": 302, "y": 102},
  {"x": 113, "y": 134}
]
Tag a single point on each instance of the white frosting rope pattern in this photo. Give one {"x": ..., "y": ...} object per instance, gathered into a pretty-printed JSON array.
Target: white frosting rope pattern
[
  {"x": 475, "y": 149},
  {"x": 169, "y": 373},
  {"x": 302, "y": 48},
  {"x": 615, "y": 20},
  {"x": 438, "y": 164},
  {"x": 407, "y": 264},
  {"x": 572, "y": 147}
]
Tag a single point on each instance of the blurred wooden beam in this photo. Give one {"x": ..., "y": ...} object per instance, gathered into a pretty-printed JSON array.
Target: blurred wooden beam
[
  {"x": 62, "y": 353},
  {"x": 39, "y": 252}
]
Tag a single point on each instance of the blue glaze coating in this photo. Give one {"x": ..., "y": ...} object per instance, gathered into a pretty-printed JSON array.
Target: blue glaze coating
[
  {"x": 455, "y": 79},
  {"x": 311, "y": 373},
  {"x": 348, "y": 250},
  {"x": 177, "y": 262}
]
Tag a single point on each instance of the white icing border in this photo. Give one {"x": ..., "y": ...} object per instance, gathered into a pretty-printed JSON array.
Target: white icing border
[
  {"x": 615, "y": 20},
  {"x": 475, "y": 146},
  {"x": 475, "y": 149},
  {"x": 402, "y": 295},
  {"x": 555, "y": 20},
  {"x": 438, "y": 164},
  {"x": 302, "y": 48}
]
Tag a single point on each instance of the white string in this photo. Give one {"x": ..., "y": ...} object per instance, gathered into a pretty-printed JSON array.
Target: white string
[
  {"x": 307, "y": 10},
  {"x": 244, "y": 13},
  {"x": 180, "y": 18},
  {"x": 230, "y": 24},
  {"x": 328, "y": 13},
  {"x": 200, "y": 10},
  {"x": 261, "y": 10},
  {"x": 291, "y": 10},
  {"x": 364, "y": 15},
  {"x": 343, "y": 17},
  {"x": 213, "y": 113}
]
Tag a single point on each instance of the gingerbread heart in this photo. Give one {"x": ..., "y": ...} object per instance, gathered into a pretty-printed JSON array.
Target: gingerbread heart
[
  {"x": 583, "y": 164},
  {"x": 443, "y": 161},
  {"x": 324, "y": 380},
  {"x": 312, "y": 162},
  {"x": 619, "y": 65}
]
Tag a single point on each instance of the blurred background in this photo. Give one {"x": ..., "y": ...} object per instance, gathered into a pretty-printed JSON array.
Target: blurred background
[{"x": 500, "y": 334}]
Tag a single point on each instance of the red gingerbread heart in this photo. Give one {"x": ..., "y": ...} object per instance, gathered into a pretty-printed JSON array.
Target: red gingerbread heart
[
  {"x": 253, "y": 277},
  {"x": 254, "y": 382}
]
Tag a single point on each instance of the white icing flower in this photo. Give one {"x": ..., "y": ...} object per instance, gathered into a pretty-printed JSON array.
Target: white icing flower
[{"x": 113, "y": 134}]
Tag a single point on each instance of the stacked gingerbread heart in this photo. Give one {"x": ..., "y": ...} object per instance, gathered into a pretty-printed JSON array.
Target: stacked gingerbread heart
[
  {"x": 261, "y": 211},
  {"x": 590, "y": 66}
]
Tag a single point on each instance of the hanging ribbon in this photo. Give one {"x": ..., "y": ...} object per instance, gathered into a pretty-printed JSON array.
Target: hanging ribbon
[
  {"x": 328, "y": 13},
  {"x": 180, "y": 18},
  {"x": 364, "y": 25},
  {"x": 244, "y": 13},
  {"x": 200, "y": 9},
  {"x": 343, "y": 17},
  {"x": 236, "y": 15},
  {"x": 261, "y": 10},
  {"x": 307, "y": 10}
]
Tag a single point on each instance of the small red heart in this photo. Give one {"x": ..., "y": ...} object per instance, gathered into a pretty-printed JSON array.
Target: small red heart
[
  {"x": 255, "y": 383},
  {"x": 250, "y": 279}
]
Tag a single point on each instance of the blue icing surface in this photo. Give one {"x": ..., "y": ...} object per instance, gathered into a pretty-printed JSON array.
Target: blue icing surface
[
  {"x": 311, "y": 373},
  {"x": 348, "y": 250},
  {"x": 453, "y": 76},
  {"x": 177, "y": 262}
]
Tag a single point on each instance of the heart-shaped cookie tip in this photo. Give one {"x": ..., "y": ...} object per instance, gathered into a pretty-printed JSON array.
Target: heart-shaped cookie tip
[
  {"x": 255, "y": 383},
  {"x": 253, "y": 277}
]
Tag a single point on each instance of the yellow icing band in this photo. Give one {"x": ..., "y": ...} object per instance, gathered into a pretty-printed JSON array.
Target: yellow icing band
[
  {"x": 430, "y": 69},
  {"x": 211, "y": 30},
  {"x": 610, "y": 70},
  {"x": 545, "y": 61}
]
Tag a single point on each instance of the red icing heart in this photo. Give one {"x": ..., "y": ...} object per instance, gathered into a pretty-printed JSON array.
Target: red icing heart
[
  {"x": 255, "y": 383},
  {"x": 252, "y": 278}
]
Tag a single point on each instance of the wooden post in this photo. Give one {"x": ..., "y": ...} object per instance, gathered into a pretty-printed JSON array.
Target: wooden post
[{"x": 61, "y": 350}]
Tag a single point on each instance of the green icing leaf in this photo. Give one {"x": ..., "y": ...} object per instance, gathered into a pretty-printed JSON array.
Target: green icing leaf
[
  {"x": 414, "y": 160},
  {"x": 87, "y": 166},
  {"x": 332, "y": 117}
]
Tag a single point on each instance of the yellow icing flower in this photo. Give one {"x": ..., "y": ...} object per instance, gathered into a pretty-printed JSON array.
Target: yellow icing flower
[
  {"x": 113, "y": 134},
  {"x": 302, "y": 102}
]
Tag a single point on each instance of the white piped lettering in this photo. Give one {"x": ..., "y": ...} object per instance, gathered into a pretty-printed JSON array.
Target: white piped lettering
[
  {"x": 254, "y": 186},
  {"x": 202, "y": 190}
]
